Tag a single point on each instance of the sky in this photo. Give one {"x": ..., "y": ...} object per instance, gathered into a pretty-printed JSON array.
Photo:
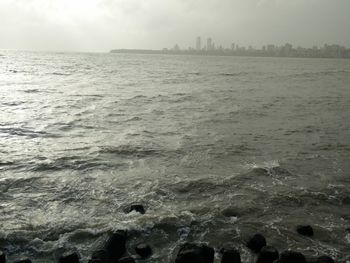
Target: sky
[{"x": 101, "y": 25}]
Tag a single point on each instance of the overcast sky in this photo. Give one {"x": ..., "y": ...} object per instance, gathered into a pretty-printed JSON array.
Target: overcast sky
[{"x": 100, "y": 25}]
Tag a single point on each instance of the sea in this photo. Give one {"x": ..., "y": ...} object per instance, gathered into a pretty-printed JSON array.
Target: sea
[{"x": 215, "y": 148}]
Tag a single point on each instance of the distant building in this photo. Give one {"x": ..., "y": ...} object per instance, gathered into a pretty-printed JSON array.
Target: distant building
[
  {"x": 209, "y": 44},
  {"x": 233, "y": 46},
  {"x": 198, "y": 44},
  {"x": 176, "y": 48}
]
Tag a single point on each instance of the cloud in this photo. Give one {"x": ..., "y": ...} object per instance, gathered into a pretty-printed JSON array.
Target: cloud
[{"x": 99, "y": 25}]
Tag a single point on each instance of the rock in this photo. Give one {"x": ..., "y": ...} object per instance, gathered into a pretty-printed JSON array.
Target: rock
[
  {"x": 291, "y": 257},
  {"x": 70, "y": 258},
  {"x": 324, "y": 259},
  {"x": 230, "y": 212},
  {"x": 2, "y": 257},
  {"x": 143, "y": 250},
  {"x": 99, "y": 256},
  {"x": 115, "y": 245},
  {"x": 24, "y": 260},
  {"x": 195, "y": 253},
  {"x": 126, "y": 260},
  {"x": 305, "y": 230},
  {"x": 136, "y": 207},
  {"x": 112, "y": 250},
  {"x": 267, "y": 254},
  {"x": 256, "y": 243},
  {"x": 230, "y": 255}
]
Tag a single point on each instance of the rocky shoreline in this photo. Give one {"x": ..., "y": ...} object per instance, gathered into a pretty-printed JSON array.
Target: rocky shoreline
[{"x": 114, "y": 250}]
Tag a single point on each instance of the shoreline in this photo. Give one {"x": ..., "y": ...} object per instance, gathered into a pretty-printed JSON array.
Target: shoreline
[{"x": 220, "y": 53}]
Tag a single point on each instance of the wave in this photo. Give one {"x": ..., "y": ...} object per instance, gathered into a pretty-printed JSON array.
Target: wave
[
  {"x": 27, "y": 133},
  {"x": 31, "y": 90},
  {"x": 320, "y": 73},
  {"x": 128, "y": 151},
  {"x": 236, "y": 74},
  {"x": 59, "y": 74},
  {"x": 72, "y": 163}
]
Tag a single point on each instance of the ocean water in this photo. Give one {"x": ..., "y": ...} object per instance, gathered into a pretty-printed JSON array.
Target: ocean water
[{"x": 216, "y": 148}]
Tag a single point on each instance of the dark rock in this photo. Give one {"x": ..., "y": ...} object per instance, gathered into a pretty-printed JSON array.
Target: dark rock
[
  {"x": 112, "y": 250},
  {"x": 230, "y": 212},
  {"x": 230, "y": 255},
  {"x": 256, "y": 243},
  {"x": 291, "y": 257},
  {"x": 115, "y": 245},
  {"x": 24, "y": 260},
  {"x": 305, "y": 230},
  {"x": 324, "y": 259},
  {"x": 126, "y": 260},
  {"x": 348, "y": 229},
  {"x": 99, "y": 256},
  {"x": 143, "y": 250},
  {"x": 70, "y": 258},
  {"x": 195, "y": 253},
  {"x": 137, "y": 207},
  {"x": 2, "y": 257},
  {"x": 267, "y": 254}
]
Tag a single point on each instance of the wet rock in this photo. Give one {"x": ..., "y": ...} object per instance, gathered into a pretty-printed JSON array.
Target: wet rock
[
  {"x": 230, "y": 255},
  {"x": 230, "y": 212},
  {"x": 2, "y": 257},
  {"x": 23, "y": 260},
  {"x": 346, "y": 200},
  {"x": 280, "y": 171},
  {"x": 137, "y": 208},
  {"x": 291, "y": 257},
  {"x": 99, "y": 256},
  {"x": 305, "y": 230},
  {"x": 115, "y": 245},
  {"x": 195, "y": 253},
  {"x": 324, "y": 259},
  {"x": 126, "y": 260},
  {"x": 267, "y": 254},
  {"x": 70, "y": 258},
  {"x": 143, "y": 250},
  {"x": 256, "y": 243},
  {"x": 112, "y": 250}
]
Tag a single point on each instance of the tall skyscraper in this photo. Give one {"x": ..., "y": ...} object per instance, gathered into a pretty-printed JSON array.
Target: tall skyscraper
[
  {"x": 209, "y": 44},
  {"x": 198, "y": 43}
]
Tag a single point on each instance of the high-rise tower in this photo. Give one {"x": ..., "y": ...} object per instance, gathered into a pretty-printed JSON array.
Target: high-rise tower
[
  {"x": 198, "y": 44},
  {"x": 209, "y": 44}
]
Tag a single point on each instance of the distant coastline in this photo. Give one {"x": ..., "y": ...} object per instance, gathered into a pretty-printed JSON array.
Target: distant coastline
[{"x": 328, "y": 51}]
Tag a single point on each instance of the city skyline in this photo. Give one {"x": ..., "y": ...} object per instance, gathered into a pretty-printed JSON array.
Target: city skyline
[
  {"x": 269, "y": 50},
  {"x": 212, "y": 45}
]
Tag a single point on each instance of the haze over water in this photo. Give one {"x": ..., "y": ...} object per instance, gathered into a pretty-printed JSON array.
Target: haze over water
[{"x": 216, "y": 148}]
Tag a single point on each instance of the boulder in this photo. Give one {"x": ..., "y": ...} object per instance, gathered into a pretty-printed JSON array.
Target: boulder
[
  {"x": 291, "y": 257},
  {"x": 126, "y": 260},
  {"x": 137, "y": 208},
  {"x": 99, "y": 256},
  {"x": 70, "y": 258},
  {"x": 267, "y": 254},
  {"x": 324, "y": 259},
  {"x": 2, "y": 257},
  {"x": 143, "y": 250},
  {"x": 305, "y": 230},
  {"x": 115, "y": 245},
  {"x": 23, "y": 260},
  {"x": 256, "y": 243},
  {"x": 230, "y": 255},
  {"x": 112, "y": 250},
  {"x": 195, "y": 253}
]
